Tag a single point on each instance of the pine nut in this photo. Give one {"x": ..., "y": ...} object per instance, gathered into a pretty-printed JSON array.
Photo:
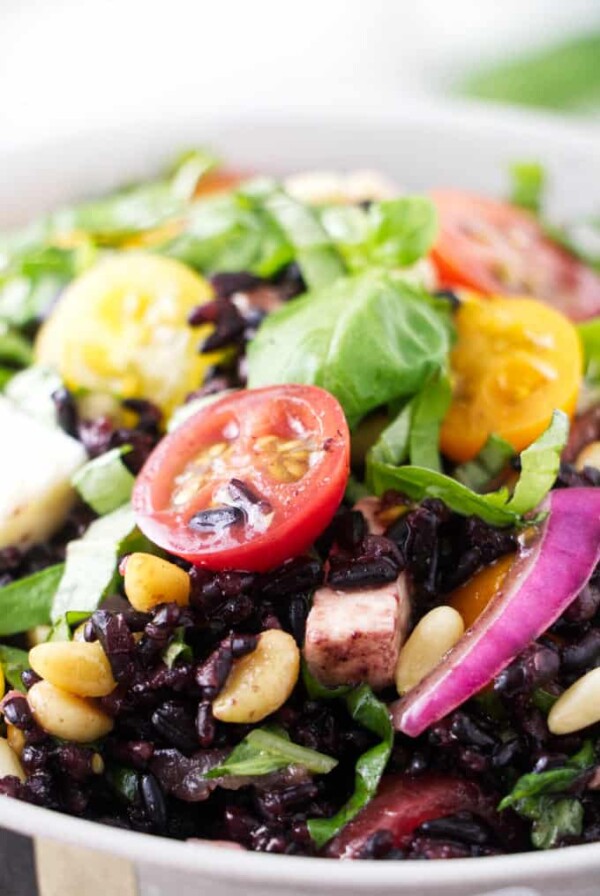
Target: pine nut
[
  {"x": 578, "y": 706},
  {"x": 150, "y": 581},
  {"x": 9, "y": 761},
  {"x": 260, "y": 682},
  {"x": 434, "y": 635},
  {"x": 589, "y": 457},
  {"x": 66, "y": 716},
  {"x": 16, "y": 739},
  {"x": 78, "y": 667}
]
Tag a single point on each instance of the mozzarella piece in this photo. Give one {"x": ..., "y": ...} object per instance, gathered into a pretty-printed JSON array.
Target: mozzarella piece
[
  {"x": 36, "y": 465},
  {"x": 355, "y": 636}
]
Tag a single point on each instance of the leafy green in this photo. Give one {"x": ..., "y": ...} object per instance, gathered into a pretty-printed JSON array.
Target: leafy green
[
  {"x": 490, "y": 461},
  {"x": 187, "y": 410},
  {"x": 369, "y": 340},
  {"x": 543, "y": 700},
  {"x": 105, "y": 483},
  {"x": 392, "y": 445},
  {"x": 14, "y": 661},
  {"x": 265, "y": 750},
  {"x": 31, "y": 390},
  {"x": 27, "y": 602},
  {"x": 535, "y": 796},
  {"x": 539, "y": 466},
  {"x": 314, "y": 251},
  {"x": 62, "y": 628},
  {"x": 90, "y": 567},
  {"x": 562, "y": 76},
  {"x": 124, "y": 781},
  {"x": 429, "y": 409},
  {"x": 589, "y": 333},
  {"x": 177, "y": 649},
  {"x": 528, "y": 182},
  {"x": 372, "y": 714},
  {"x": 390, "y": 234},
  {"x": 15, "y": 350}
]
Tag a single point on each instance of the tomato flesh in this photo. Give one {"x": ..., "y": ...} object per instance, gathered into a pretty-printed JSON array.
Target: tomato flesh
[
  {"x": 403, "y": 803},
  {"x": 493, "y": 247},
  {"x": 249, "y": 481}
]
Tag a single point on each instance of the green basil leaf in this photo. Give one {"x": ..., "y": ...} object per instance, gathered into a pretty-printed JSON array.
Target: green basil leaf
[
  {"x": 90, "y": 567},
  {"x": 555, "y": 819},
  {"x": 27, "y": 602},
  {"x": 13, "y": 662},
  {"x": 555, "y": 780},
  {"x": 528, "y": 182},
  {"x": 402, "y": 230},
  {"x": 349, "y": 228},
  {"x": 368, "y": 340},
  {"x": 124, "y": 781},
  {"x": 392, "y": 445},
  {"x": 177, "y": 649},
  {"x": 428, "y": 412},
  {"x": 372, "y": 714},
  {"x": 105, "y": 483},
  {"x": 543, "y": 700},
  {"x": 488, "y": 464},
  {"x": 263, "y": 751}
]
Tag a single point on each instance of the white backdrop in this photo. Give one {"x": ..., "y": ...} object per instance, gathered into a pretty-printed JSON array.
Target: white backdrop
[{"x": 68, "y": 65}]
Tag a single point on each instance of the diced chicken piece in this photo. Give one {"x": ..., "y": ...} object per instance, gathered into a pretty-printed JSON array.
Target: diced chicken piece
[
  {"x": 35, "y": 482},
  {"x": 355, "y": 636},
  {"x": 369, "y": 507},
  {"x": 333, "y": 187}
]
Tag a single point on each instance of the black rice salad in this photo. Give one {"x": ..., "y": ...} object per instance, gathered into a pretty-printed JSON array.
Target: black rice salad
[{"x": 300, "y": 517}]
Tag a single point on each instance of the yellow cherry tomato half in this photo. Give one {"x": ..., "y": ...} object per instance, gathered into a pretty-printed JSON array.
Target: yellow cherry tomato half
[
  {"x": 122, "y": 328},
  {"x": 471, "y": 598},
  {"x": 514, "y": 362}
]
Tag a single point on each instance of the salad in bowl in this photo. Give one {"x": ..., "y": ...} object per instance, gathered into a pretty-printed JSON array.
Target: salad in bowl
[{"x": 300, "y": 515}]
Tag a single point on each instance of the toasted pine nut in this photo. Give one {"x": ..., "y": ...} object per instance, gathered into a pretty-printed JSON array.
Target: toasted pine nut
[
  {"x": 434, "y": 635},
  {"x": 260, "y": 682},
  {"x": 150, "y": 581},
  {"x": 66, "y": 716},
  {"x": 578, "y": 706},
  {"x": 16, "y": 739},
  {"x": 9, "y": 761},
  {"x": 589, "y": 456},
  {"x": 78, "y": 667}
]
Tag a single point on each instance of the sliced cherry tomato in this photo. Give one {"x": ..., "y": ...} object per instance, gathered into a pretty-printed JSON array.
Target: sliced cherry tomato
[
  {"x": 403, "y": 803},
  {"x": 220, "y": 181},
  {"x": 249, "y": 481},
  {"x": 514, "y": 362},
  {"x": 493, "y": 247}
]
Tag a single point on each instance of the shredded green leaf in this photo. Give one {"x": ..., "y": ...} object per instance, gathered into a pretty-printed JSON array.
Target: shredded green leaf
[
  {"x": 265, "y": 750},
  {"x": 528, "y": 182},
  {"x": 489, "y": 463},
  {"x": 27, "y": 602},
  {"x": 105, "y": 483},
  {"x": 13, "y": 662}
]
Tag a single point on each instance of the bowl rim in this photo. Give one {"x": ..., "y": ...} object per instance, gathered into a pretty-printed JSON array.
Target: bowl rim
[{"x": 261, "y": 868}]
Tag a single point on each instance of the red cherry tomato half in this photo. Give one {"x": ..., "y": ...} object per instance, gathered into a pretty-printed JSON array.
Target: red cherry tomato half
[
  {"x": 403, "y": 803},
  {"x": 493, "y": 247},
  {"x": 249, "y": 481}
]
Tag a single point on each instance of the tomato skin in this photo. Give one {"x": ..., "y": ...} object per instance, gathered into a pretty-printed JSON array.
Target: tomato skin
[
  {"x": 301, "y": 509},
  {"x": 493, "y": 247},
  {"x": 403, "y": 803}
]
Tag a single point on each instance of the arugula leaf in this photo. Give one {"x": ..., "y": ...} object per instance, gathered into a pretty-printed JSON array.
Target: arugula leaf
[
  {"x": 105, "y": 483},
  {"x": 177, "y": 649},
  {"x": 90, "y": 567},
  {"x": 528, "y": 182},
  {"x": 390, "y": 234},
  {"x": 13, "y": 662},
  {"x": 429, "y": 409},
  {"x": 265, "y": 750},
  {"x": 27, "y": 602},
  {"x": 539, "y": 466},
  {"x": 490, "y": 461},
  {"x": 368, "y": 340},
  {"x": 372, "y": 714}
]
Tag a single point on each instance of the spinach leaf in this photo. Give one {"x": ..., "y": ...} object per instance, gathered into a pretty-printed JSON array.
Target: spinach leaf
[
  {"x": 368, "y": 340},
  {"x": 528, "y": 182},
  {"x": 372, "y": 714},
  {"x": 490, "y": 461},
  {"x": 13, "y": 662},
  {"x": 105, "y": 483},
  {"x": 177, "y": 649},
  {"x": 539, "y": 466},
  {"x": 27, "y": 602},
  {"x": 90, "y": 567},
  {"x": 429, "y": 410},
  {"x": 265, "y": 750}
]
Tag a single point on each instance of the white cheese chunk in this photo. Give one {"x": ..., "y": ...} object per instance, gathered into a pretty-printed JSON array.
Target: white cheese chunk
[{"x": 36, "y": 465}]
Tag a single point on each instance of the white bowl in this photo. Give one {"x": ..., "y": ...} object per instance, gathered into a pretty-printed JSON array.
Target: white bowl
[{"x": 420, "y": 147}]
